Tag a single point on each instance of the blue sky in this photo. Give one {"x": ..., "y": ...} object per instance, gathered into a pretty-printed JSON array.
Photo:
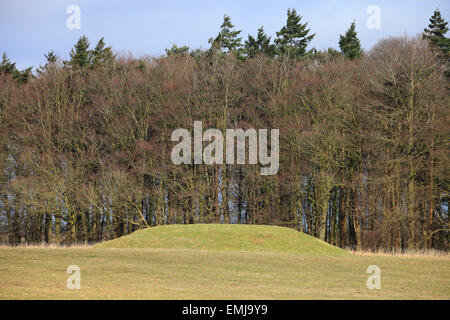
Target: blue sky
[{"x": 28, "y": 29}]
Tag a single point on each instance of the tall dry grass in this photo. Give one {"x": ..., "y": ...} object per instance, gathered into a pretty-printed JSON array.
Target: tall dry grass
[{"x": 405, "y": 253}]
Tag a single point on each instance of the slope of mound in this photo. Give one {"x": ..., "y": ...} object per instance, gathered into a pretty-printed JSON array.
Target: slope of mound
[{"x": 224, "y": 237}]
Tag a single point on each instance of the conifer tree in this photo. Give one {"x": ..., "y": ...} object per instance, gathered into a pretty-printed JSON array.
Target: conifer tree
[
  {"x": 227, "y": 38},
  {"x": 80, "y": 55},
  {"x": 436, "y": 33},
  {"x": 293, "y": 38},
  {"x": 349, "y": 43},
  {"x": 51, "y": 57},
  {"x": 321, "y": 56},
  {"x": 23, "y": 76},
  {"x": 259, "y": 45},
  {"x": 6, "y": 66},
  {"x": 100, "y": 54},
  {"x": 176, "y": 50}
]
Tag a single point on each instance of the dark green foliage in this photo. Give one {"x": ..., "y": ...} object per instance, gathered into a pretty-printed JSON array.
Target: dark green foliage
[
  {"x": 293, "y": 38},
  {"x": 227, "y": 40},
  {"x": 436, "y": 33},
  {"x": 79, "y": 56},
  {"x": 51, "y": 57},
  {"x": 101, "y": 54},
  {"x": 8, "y": 67},
  {"x": 259, "y": 45},
  {"x": 349, "y": 43},
  {"x": 51, "y": 63},
  {"x": 23, "y": 76},
  {"x": 176, "y": 50},
  {"x": 321, "y": 56}
]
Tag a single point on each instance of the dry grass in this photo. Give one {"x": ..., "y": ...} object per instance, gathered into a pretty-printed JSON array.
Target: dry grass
[
  {"x": 219, "y": 262},
  {"x": 49, "y": 246},
  {"x": 404, "y": 253},
  {"x": 40, "y": 273}
]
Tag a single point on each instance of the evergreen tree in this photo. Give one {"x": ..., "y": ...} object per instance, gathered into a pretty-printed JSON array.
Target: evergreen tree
[
  {"x": 293, "y": 38},
  {"x": 349, "y": 43},
  {"x": 322, "y": 56},
  {"x": 259, "y": 45},
  {"x": 80, "y": 55},
  {"x": 100, "y": 54},
  {"x": 6, "y": 66},
  {"x": 227, "y": 38},
  {"x": 23, "y": 76},
  {"x": 436, "y": 33},
  {"x": 176, "y": 50},
  {"x": 51, "y": 58}
]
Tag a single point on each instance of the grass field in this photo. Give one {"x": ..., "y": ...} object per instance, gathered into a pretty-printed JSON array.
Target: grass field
[{"x": 217, "y": 262}]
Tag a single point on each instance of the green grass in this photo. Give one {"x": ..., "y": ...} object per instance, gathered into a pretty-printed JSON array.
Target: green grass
[
  {"x": 264, "y": 265},
  {"x": 224, "y": 237}
]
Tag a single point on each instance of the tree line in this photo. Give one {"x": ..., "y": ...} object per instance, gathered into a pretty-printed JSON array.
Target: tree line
[{"x": 364, "y": 139}]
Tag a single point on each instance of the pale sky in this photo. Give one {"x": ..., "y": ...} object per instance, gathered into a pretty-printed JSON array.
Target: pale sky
[{"x": 28, "y": 29}]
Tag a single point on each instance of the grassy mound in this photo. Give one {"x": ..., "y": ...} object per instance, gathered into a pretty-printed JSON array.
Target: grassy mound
[{"x": 224, "y": 237}]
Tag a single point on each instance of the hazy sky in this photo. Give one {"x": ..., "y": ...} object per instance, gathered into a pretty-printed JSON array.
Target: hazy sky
[{"x": 28, "y": 29}]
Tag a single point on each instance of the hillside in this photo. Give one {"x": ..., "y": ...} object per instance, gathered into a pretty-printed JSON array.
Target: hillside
[{"x": 224, "y": 237}]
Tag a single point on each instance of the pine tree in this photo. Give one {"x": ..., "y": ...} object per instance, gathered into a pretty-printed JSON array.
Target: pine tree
[
  {"x": 100, "y": 54},
  {"x": 80, "y": 55},
  {"x": 50, "y": 57},
  {"x": 436, "y": 33},
  {"x": 259, "y": 45},
  {"x": 23, "y": 76},
  {"x": 176, "y": 50},
  {"x": 322, "y": 56},
  {"x": 6, "y": 66},
  {"x": 293, "y": 38},
  {"x": 227, "y": 38},
  {"x": 349, "y": 43}
]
